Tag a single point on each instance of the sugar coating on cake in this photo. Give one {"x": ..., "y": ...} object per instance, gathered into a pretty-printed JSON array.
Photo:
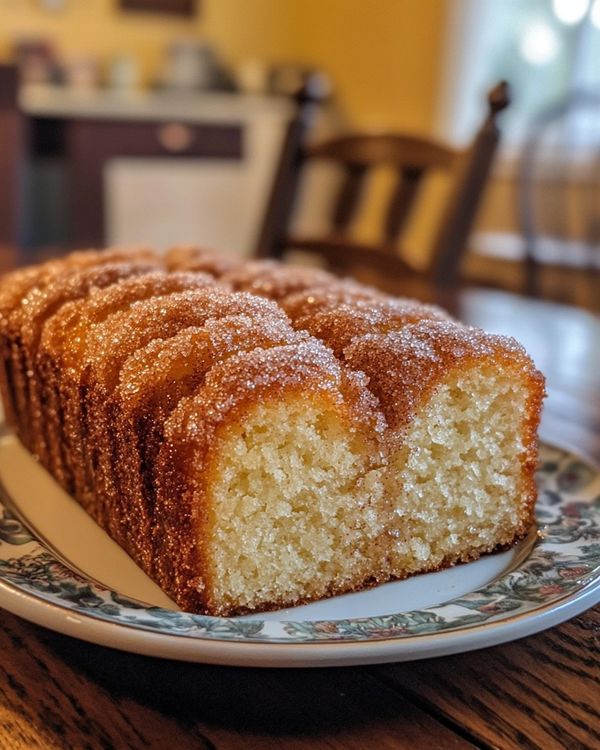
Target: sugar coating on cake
[
  {"x": 341, "y": 325},
  {"x": 318, "y": 298},
  {"x": 268, "y": 278},
  {"x": 26, "y": 323},
  {"x": 14, "y": 295},
  {"x": 192, "y": 258},
  {"x": 256, "y": 435},
  {"x": 63, "y": 344}
]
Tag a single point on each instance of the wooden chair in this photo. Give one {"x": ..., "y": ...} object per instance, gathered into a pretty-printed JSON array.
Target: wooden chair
[
  {"x": 412, "y": 158},
  {"x": 558, "y": 195}
]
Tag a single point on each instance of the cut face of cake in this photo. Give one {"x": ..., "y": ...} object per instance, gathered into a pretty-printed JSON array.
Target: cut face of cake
[
  {"x": 269, "y": 484},
  {"x": 152, "y": 382},
  {"x": 462, "y": 407}
]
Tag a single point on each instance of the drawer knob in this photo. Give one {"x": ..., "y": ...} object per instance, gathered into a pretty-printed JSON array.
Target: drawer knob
[{"x": 175, "y": 137}]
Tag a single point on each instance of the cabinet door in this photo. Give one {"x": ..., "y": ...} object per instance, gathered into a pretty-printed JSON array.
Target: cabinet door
[{"x": 213, "y": 202}]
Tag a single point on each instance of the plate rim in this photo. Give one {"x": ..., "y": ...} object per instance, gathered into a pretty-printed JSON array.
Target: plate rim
[
  {"x": 178, "y": 647},
  {"x": 272, "y": 653}
]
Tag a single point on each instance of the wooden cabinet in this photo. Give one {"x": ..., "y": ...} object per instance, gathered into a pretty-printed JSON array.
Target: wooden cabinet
[{"x": 78, "y": 137}]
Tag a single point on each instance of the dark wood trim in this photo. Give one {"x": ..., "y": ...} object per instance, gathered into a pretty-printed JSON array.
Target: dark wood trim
[
  {"x": 349, "y": 197},
  {"x": 170, "y": 7},
  {"x": 402, "y": 202},
  {"x": 13, "y": 139},
  {"x": 386, "y": 148}
]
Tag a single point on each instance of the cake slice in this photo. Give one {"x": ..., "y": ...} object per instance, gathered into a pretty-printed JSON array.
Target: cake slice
[
  {"x": 108, "y": 346},
  {"x": 463, "y": 409},
  {"x": 269, "y": 484},
  {"x": 63, "y": 343},
  {"x": 152, "y": 382}
]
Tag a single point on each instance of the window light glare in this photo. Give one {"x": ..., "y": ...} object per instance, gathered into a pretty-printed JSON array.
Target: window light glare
[
  {"x": 540, "y": 44},
  {"x": 595, "y": 15},
  {"x": 570, "y": 12}
]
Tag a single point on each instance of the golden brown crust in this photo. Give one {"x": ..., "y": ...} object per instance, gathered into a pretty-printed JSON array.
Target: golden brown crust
[
  {"x": 63, "y": 344},
  {"x": 65, "y": 333},
  {"x": 192, "y": 258},
  {"x": 25, "y": 325},
  {"x": 340, "y": 326},
  {"x": 15, "y": 286},
  {"x": 267, "y": 278},
  {"x": 313, "y": 299}
]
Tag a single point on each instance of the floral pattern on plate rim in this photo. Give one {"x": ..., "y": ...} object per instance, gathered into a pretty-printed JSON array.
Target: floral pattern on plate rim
[{"x": 564, "y": 559}]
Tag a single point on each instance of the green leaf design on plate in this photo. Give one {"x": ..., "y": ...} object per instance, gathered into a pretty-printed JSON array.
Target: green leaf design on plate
[{"x": 12, "y": 530}]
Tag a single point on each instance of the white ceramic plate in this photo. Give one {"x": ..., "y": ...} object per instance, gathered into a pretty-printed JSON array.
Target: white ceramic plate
[{"x": 60, "y": 570}]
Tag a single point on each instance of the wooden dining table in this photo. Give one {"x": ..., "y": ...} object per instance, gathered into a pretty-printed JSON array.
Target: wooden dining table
[{"x": 539, "y": 692}]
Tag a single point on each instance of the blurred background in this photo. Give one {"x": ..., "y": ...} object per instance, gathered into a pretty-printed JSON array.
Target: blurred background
[{"x": 165, "y": 122}]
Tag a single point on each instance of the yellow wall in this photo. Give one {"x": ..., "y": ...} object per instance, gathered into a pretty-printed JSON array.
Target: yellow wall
[
  {"x": 250, "y": 29},
  {"x": 383, "y": 55}
]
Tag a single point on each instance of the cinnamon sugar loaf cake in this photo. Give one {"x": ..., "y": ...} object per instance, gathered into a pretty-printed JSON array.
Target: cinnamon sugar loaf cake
[{"x": 257, "y": 436}]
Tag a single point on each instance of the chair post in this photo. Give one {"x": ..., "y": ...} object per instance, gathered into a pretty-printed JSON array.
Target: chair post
[
  {"x": 462, "y": 208},
  {"x": 281, "y": 200},
  {"x": 525, "y": 211}
]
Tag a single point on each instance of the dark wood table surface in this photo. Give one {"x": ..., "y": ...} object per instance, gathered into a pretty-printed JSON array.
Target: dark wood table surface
[{"x": 539, "y": 692}]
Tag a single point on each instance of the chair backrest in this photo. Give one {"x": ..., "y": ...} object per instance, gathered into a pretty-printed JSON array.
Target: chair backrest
[
  {"x": 558, "y": 193},
  {"x": 411, "y": 158}
]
